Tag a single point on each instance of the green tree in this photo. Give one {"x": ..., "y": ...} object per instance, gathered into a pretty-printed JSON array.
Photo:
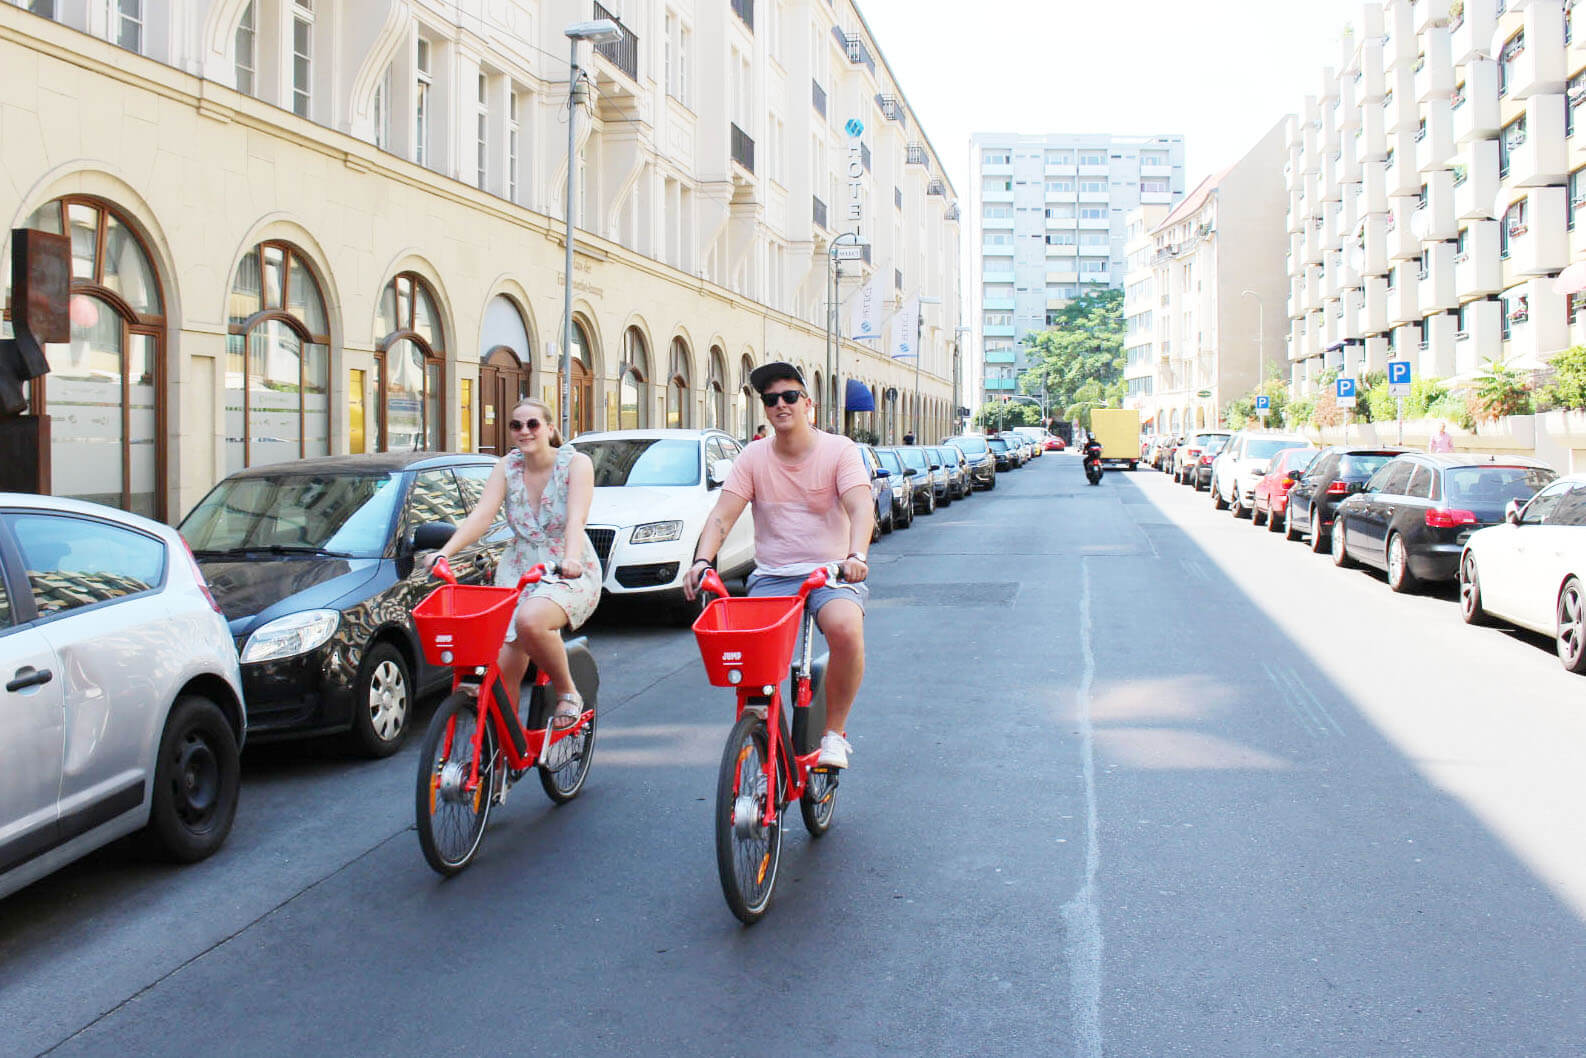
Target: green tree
[
  {"x": 1501, "y": 391},
  {"x": 999, "y": 414},
  {"x": 1568, "y": 388},
  {"x": 1083, "y": 347}
]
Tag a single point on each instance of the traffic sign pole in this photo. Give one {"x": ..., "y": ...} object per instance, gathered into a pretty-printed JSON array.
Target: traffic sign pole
[{"x": 1400, "y": 375}]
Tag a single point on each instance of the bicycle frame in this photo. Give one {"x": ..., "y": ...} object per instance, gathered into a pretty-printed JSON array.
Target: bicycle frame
[{"x": 521, "y": 747}]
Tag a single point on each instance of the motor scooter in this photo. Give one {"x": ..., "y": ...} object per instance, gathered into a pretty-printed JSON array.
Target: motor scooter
[{"x": 1093, "y": 467}]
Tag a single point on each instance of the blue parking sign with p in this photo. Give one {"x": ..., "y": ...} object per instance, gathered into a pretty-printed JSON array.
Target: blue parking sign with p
[
  {"x": 1398, "y": 372},
  {"x": 1263, "y": 403},
  {"x": 1346, "y": 388}
]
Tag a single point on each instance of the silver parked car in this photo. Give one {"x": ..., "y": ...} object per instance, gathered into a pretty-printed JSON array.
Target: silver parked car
[{"x": 123, "y": 702}]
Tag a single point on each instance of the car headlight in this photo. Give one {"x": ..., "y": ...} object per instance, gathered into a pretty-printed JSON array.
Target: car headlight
[
  {"x": 289, "y": 636},
  {"x": 656, "y": 532}
]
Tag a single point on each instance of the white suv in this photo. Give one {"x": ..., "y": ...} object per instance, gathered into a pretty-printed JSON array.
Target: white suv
[
  {"x": 1246, "y": 460},
  {"x": 123, "y": 701}
]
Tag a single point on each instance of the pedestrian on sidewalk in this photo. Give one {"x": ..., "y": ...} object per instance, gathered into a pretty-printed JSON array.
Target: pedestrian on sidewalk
[{"x": 1442, "y": 440}]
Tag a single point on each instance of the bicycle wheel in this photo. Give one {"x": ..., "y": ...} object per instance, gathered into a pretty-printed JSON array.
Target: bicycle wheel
[
  {"x": 572, "y": 757},
  {"x": 451, "y": 819},
  {"x": 819, "y": 802},
  {"x": 747, "y": 853}
]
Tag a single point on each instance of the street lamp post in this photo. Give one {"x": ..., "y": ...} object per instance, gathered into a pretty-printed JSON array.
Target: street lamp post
[
  {"x": 834, "y": 271},
  {"x": 600, "y": 31},
  {"x": 919, "y": 330}
]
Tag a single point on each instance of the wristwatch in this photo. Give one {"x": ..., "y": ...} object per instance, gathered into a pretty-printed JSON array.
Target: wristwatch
[{"x": 860, "y": 556}]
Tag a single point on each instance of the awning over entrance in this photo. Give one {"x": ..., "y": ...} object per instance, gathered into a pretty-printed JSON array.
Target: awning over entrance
[{"x": 857, "y": 396}]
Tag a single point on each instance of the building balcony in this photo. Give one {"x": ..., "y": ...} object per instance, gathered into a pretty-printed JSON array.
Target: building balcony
[
  {"x": 997, "y": 195},
  {"x": 1426, "y": 14},
  {"x": 996, "y": 168},
  {"x": 1374, "y": 260},
  {"x": 1403, "y": 243},
  {"x": 1403, "y": 176},
  {"x": 1094, "y": 197},
  {"x": 1349, "y": 161},
  {"x": 990, "y": 276},
  {"x": 1398, "y": 41},
  {"x": 1062, "y": 198},
  {"x": 1062, "y": 250},
  {"x": 1007, "y": 385},
  {"x": 1403, "y": 297},
  {"x": 1471, "y": 34},
  {"x": 1373, "y": 317},
  {"x": 1354, "y": 303},
  {"x": 1541, "y": 245},
  {"x": 1349, "y": 204},
  {"x": 1329, "y": 176},
  {"x": 1156, "y": 198},
  {"x": 1332, "y": 324},
  {"x": 1059, "y": 169},
  {"x": 1478, "y": 336},
  {"x": 1368, "y": 76},
  {"x": 997, "y": 330},
  {"x": 1313, "y": 288},
  {"x": 1399, "y": 113},
  {"x": 1476, "y": 179},
  {"x": 1540, "y": 158},
  {"x": 1371, "y": 139},
  {"x": 1435, "y": 357},
  {"x": 1001, "y": 356},
  {"x": 1478, "y": 271},
  {"x": 1094, "y": 223},
  {"x": 1068, "y": 273},
  {"x": 1158, "y": 171},
  {"x": 995, "y": 304},
  {"x": 1540, "y": 68},
  {"x": 1434, "y": 140},
  {"x": 1436, "y": 219},
  {"x": 1373, "y": 187},
  {"x": 1475, "y": 107},
  {"x": 1538, "y": 323},
  {"x": 742, "y": 149},
  {"x": 1434, "y": 67},
  {"x": 1437, "y": 293},
  {"x": 997, "y": 222}
]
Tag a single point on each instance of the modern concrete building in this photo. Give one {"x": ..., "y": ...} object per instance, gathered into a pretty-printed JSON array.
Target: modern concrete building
[
  {"x": 1204, "y": 319},
  {"x": 1434, "y": 183},
  {"x": 1049, "y": 225},
  {"x": 305, "y": 227}
]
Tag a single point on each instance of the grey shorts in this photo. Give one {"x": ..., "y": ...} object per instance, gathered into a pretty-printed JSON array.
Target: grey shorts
[{"x": 761, "y": 584}]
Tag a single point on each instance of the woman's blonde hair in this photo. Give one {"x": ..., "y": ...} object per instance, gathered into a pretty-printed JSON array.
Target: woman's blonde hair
[{"x": 546, "y": 416}]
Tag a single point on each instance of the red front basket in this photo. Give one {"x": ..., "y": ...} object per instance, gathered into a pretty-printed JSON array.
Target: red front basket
[
  {"x": 750, "y": 638},
  {"x": 464, "y": 624}
]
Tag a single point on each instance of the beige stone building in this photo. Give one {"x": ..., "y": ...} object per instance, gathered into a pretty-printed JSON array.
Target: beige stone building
[
  {"x": 1204, "y": 298},
  {"x": 304, "y": 227}
]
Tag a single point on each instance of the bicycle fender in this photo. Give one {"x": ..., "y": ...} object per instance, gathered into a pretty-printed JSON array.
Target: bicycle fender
[
  {"x": 586, "y": 674},
  {"x": 809, "y": 724}
]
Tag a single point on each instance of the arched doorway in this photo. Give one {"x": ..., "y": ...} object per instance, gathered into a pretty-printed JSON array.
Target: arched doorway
[
  {"x": 582, "y": 418},
  {"x": 633, "y": 385},
  {"x": 104, "y": 393},
  {"x": 504, "y": 372},
  {"x": 677, "y": 409},
  {"x": 412, "y": 368}
]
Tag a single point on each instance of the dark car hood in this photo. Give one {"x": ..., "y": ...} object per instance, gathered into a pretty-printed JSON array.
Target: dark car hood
[{"x": 246, "y": 589}]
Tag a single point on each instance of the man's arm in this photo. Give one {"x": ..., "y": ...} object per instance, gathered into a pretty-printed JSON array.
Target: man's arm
[
  {"x": 729, "y": 507},
  {"x": 861, "y": 526}
]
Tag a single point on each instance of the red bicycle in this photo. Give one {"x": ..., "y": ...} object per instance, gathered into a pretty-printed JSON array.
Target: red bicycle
[
  {"x": 476, "y": 746},
  {"x": 748, "y": 644}
]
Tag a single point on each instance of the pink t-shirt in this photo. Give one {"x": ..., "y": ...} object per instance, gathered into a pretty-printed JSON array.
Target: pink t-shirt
[{"x": 799, "y": 519}]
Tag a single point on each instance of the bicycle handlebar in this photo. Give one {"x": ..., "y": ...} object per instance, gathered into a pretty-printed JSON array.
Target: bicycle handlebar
[
  {"x": 533, "y": 575},
  {"x": 832, "y": 571}
]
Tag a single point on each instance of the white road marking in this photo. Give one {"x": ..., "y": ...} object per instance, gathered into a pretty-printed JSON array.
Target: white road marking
[
  {"x": 1301, "y": 701},
  {"x": 1081, "y": 915},
  {"x": 1193, "y": 568}
]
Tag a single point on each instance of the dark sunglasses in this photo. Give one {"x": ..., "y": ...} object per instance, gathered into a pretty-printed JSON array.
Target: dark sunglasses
[
  {"x": 787, "y": 396},
  {"x": 531, "y": 424}
]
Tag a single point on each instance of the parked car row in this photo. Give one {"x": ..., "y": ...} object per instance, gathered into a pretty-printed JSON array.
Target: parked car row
[{"x": 1509, "y": 530}]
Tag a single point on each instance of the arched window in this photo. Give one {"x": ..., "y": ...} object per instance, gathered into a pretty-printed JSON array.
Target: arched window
[
  {"x": 277, "y": 360},
  {"x": 746, "y": 396},
  {"x": 633, "y": 388},
  {"x": 818, "y": 395},
  {"x": 716, "y": 391},
  {"x": 104, "y": 392},
  {"x": 677, "y": 386},
  {"x": 582, "y": 419},
  {"x": 504, "y": 371},
  {"x": 412, "y": 367}
]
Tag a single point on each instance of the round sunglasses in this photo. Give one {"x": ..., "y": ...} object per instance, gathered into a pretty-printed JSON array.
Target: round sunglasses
[{"x": 530, "y": 424}]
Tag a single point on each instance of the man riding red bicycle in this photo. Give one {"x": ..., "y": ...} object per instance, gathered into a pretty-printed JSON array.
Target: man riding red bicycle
[{"x": 812, "y": 507}]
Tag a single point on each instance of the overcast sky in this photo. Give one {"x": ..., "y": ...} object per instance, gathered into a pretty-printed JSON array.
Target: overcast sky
[{"x": 1221, "y": 72}]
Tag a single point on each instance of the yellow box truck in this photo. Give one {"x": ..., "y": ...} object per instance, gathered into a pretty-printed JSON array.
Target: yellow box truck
[{"x": 1118, "y": 430}]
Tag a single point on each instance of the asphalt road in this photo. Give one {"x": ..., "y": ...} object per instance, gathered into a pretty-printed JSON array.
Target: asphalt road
[{"x": 1130, "y": 778}]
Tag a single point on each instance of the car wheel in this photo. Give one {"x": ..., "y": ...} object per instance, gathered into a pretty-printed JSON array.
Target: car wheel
[
  {"x": 382, "y": 700},
  {"x": 1400, "y": 579},
  {"x": 1274, "y": 523},
  {"x": 1470, "y": 607},
  {"x": 930, "y": 502},
  {"x": 875, "y": 528},
  {"x": 1319, "y": 540},
  {"x": 1340, "y": 543},
  {"x": 1258, "y": 516},
  {"x": 196, "y": 779},
  {"x": 1218, "y": 503},
  {"x": 1571, "y": 638},
  {"x": 890, "y": 522},
  {"x": 1237, "y": 504}
]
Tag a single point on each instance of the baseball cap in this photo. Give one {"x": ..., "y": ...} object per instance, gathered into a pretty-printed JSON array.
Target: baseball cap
[{"x": 775, "y": 371}]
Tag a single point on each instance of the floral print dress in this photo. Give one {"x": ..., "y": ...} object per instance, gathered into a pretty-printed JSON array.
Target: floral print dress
[{"x": 539, "y": 531}]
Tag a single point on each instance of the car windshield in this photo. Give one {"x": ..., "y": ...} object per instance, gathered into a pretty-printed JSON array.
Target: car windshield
[
  {"x": 1215, "y": 445},
  {"x": 972, "y": 445},
  {"x": 1266, "y": 448},
  {"x": 890, "y": 460},
  {"x": 942, "y": 457},
  {"x": 1201, "y": 440},
  {"x": 1301, "y": 459},
  {"x": 642, "y": 461},
  {"x": 1363, "y": 464},
  {"x": 913, "y": 457},
  {"x": 997, "y": 444},
  {"x": 1494, "y": 486},
  {"x": 343, "y": 514}
]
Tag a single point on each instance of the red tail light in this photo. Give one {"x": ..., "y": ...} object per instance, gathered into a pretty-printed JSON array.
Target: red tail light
[
  {"x": 1206, "y": 461},
  {"x": 1338, "y": 488},
  {"x": 1450, "y": 519},
  {"x": 1287, "y": 483},
  {"x": 198, "y": 575}
]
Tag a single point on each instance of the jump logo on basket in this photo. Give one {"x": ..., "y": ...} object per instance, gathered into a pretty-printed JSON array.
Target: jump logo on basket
[{"x": 729, "y": 657}]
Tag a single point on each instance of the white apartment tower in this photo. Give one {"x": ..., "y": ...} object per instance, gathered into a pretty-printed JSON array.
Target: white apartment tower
[
  {"x": 1049, "y": 225},
  {"x": 1434, "y": 184}
]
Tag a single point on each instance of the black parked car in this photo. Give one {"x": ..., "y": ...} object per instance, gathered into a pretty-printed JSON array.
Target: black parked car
[
  {"x": 952, "y": 461},
  {"x": 312, "y": 563},
  {"x": 901, "y": 480},
  {"x": 978, "y": 454},
  {"x": 928, "y": 478},
  {"x": 1001, "y": 452},
  {"x": 1413, "y": 517},
  {"x": 880, "y": 491},
  {"x": 1335, "y": 473}
]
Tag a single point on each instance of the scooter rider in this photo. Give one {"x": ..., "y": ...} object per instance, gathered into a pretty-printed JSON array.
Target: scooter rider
[{"x": 1091, "y": 456}]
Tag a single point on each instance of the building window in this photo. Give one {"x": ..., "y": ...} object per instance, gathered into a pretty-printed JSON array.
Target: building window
[
  {"x": 512, "y": 145},
  {"x": 676, "y": 58},
  {"x": 715, "y": 390},
  {"x": 1092, "y": 158},
  {"x": 1512, "y": 137},
  {"x": 302, "y": 55},
  {"x": 995, "y": 157},
  {"x": 246, "y": 57},
  {"x": 482, "y": 131},
  {"x": 421, "y": 103},
  {"x": 1092, "y": 212},
  {"x": 1154, "y": 187},
  {"x": 1576, "y": 96},
  {"x": 1510, "y": 51},
  {"x": 1513, "y": 226},
  {"x": 1092, "y": 186},
  {"x": 1577, "y": 193},
  {"x": 103, "y": 393},
  {"x": 633, "y": 385},
  {"x": 1060, "y": 185},
  {"x": 382, "y": 111},
  {"x": 125, "y": 23},
  {"x": 277, "y": 360},
  {"x": 411, "y": 361},
  {"x": 677, "y": 409}
]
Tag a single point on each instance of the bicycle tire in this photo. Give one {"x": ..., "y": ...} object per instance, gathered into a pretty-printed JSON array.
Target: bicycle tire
[
  {"x": 747, "y": 861},
  {"x": 451, "y": 838},
  {"x": 562, "y": 783},
  {"x": 819, "y": 803}
]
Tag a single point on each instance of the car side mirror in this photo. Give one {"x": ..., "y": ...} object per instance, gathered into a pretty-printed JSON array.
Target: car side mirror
[
  {"x": 431, "y": 536},
  {"x": 883, "y": 472},
  {"x": 909, "y": 473},
  {"x": 1511, "y": 512},
  {"x": 718, "y": 473}
]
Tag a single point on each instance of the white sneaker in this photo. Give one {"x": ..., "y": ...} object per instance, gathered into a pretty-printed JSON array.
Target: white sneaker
[{"x": 834, "y": 751}]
